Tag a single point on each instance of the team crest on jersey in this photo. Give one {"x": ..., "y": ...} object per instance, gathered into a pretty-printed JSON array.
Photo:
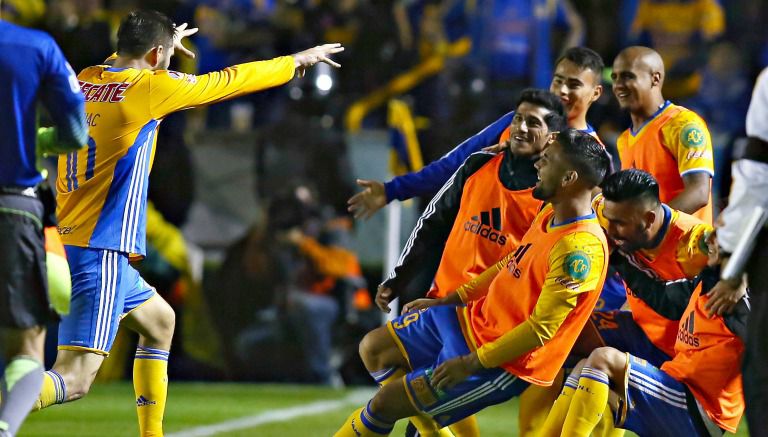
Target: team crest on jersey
[
  {"x": 179, "y": 76},
  {"x": 692, "y": 135},
  {"x": 577, "y": 265}
]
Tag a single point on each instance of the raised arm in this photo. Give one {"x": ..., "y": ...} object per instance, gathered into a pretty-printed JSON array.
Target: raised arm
[{"x": 171, "y": 91}]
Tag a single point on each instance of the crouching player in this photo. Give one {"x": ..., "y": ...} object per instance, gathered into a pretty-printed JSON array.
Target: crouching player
[
  {"x": 453, "y": 359},
  {"x": 698, "y": 392}
]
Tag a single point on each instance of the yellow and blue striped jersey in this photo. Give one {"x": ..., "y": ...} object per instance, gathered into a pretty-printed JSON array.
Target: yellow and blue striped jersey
[{"x": 102, "y": 189}]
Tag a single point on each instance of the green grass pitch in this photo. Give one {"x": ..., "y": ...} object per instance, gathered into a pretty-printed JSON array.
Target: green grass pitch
[{"x": 109, "y": 411}]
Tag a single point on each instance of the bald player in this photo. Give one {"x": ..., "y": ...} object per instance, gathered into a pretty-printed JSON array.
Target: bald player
[{"x": 668, "y": 141}]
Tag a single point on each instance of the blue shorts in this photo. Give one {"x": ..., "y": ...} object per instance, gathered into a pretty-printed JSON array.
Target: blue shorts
[
  {"x": 614, "y": 294},
  {"x": 619, "y": 330},
  {"x": 104, "y": 289},
  {"x": 430, "y": 337},
  {"x": 658, "y": 404}
]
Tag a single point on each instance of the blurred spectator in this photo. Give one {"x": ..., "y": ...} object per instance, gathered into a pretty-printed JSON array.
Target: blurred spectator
[
  {"x": 681, "y": 31},
  {"x": 83, "y": 29},
  {"x": 23, "y": 12},
  {"x": 512, "y": 43},
  {"x": 723, "y": 102},
  {"x": 298, "y": 274}
]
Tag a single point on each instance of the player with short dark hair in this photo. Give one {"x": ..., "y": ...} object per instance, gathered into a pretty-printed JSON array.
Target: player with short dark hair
[
  {"x": 462, "y": 359},
  {"x": 667, "y": 243},
  {"x": 696, "y": 392},
  {"x": 141, "y": 30},
  {"x": 32, "y": 70},
  {"x": 102, "y": 201},
  {"x": 632, "y": 184},
  {"x": 577, "y": 80},
  {"x": 481, "y": 213}
]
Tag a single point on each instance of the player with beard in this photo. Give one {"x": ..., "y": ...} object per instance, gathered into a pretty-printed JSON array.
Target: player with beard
[
  {"x": 481, "y": 214},
  {"x": 666, "y": 243},
  {"x": 513, "y": 325},
  {"x": 576, "y": 81},
  {"x": 698, "y": 390}
]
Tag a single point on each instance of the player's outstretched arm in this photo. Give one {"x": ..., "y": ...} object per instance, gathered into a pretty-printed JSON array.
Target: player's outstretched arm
[{"x": 308, "y": 58}]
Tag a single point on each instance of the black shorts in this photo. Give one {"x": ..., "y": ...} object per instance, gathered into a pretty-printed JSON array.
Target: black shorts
[{"x": 23, "y": 275}]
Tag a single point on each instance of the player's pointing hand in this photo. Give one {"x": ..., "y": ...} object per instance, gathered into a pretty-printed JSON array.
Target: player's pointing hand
[{"x": 310, "y": 57}]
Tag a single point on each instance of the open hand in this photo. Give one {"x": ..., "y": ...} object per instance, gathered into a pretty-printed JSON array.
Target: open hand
[
  {"x": 181, "y": 33},
  {"x": 724, "y": 296},
  {"x": 497, "y": 148},
  {"x": 365, "y": 203},
  {"x": 310, "y": 57}
]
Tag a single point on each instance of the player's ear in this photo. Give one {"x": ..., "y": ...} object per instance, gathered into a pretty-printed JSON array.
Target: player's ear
[
  {"x": 649, "y": 217},
  {"x": 656, "y": 78},
  {"x": 154, "y": 55},
  {"x": 570, "y": 177},
  {"x": 151, "y": 57},
  {"x": 598, "y": 91},
  {"x": 552, "y": 138}
]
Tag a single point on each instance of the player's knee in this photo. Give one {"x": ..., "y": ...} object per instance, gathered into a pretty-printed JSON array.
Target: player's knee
[
  {"x": 606, "y": 359},
  {"x": 371, "y": 348},
  {"x": 163, "y": 325}
]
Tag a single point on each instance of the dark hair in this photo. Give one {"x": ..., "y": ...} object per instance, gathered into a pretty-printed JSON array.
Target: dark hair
[
  {"x": 584, "y": 58},
  {"x": 631, "y": 184},
  {"x": 141, "y": 30},
  {"x": 585, "y": 154},
  {"x": 556, "y": 118}
]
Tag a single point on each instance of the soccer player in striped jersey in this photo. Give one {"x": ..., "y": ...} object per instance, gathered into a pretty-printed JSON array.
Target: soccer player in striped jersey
[
  {"x": 484, "y": 344},
  {"x": 102, "y": 193}
]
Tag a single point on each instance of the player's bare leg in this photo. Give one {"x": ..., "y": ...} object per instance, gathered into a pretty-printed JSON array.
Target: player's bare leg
[
  {"x": 380, "y": 414},
  {"x": 378, "y": 351},
  {"x": 386, "y": 363},
  {"x": 154, "y": 321},
  {"x": 77, "y": 369}
]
